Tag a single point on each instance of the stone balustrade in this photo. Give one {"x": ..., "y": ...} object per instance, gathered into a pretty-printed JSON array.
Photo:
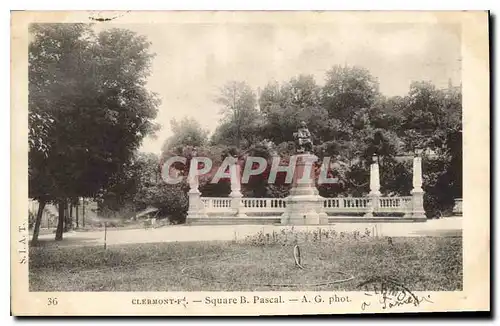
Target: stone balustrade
[
  {"x": 278, "y": 204},
  {"x": 394, "y": 204},
  {"x": 350, "y": 204},
  {"x": 237, "y": 206},
  {"x": 213, "y": 205}
]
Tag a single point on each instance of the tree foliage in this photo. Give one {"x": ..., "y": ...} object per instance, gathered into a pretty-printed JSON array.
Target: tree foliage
[
  {"x": 350, "y": 121},
  {"x": 89, "y": 108},
  {"x": 348, "y": 89},
  {"x": 240, "y": 118},
  {"x": 366, "y": 123},
  {"x": 186, "y": 132}
]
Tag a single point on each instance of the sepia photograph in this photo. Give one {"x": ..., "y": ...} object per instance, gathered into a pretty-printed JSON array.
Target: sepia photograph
[{"x": 277, "y": 160}]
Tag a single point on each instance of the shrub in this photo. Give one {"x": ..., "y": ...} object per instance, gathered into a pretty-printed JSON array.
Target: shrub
[
  {"x": 439, "y": 196},
  {"x": 170, "y": 199},
  {"x": 290, "y": 236}
]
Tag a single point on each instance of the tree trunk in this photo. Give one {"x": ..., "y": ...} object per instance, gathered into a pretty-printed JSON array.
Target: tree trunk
[
  {"x": 36, "y": 229},
  {"x": 83, "y": 212},
  {"x": 238, "y": 136},
  {"x": 77, "y": 207},
  {"x": 60, "y": 223},
  {"x": 67, "y": 223}
]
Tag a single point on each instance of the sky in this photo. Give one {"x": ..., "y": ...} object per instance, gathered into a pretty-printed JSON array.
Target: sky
[{"x": 194, "y": 60}]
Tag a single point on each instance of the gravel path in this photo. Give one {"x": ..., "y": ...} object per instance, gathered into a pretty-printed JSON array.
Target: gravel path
[{"x": 184, "y": 233}]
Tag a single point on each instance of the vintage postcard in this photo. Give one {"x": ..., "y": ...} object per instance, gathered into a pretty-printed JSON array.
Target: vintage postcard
[{"x": 249, "y": 163}]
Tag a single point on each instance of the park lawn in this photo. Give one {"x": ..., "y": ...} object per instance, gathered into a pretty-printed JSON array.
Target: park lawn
[{"x": 419, "y": 263}]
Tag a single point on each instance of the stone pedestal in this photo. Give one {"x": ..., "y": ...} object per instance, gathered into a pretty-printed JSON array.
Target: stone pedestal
[
  {"x": 237, "y": 205},
  {"x": 374, "y": 194},
  {"x": 236, "y": 195},
  {"x": 418, "y": 212},
  {"x": 323, "y": 217},
  {"x": 195, "y": 208},
  {"x": 372, "y": 204},
  {"x": 457, "y": 209},
  {"x": 304, "y": 205}
]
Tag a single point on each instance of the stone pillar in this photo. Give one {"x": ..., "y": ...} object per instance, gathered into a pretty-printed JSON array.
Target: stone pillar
[
  {"x": 304, "y": 205},
  {"x": 457, "y": 208},
  {"x": 417, "y": 193},
  {"x": 195, "y": 208},
  {"x": 374, "y": 194},
  {"x": 236, "y": 195}
]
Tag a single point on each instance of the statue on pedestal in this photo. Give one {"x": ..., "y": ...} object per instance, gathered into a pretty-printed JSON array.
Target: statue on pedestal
[
  {"x": 304, "y": 205},
  {"x": 303, "y": 138}
]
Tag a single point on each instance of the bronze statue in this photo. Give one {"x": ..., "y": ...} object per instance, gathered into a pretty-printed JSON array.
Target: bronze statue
[{"x": 303, "y": 137}]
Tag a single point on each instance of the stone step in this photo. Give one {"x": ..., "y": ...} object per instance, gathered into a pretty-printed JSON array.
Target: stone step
[
  {"x": 277, "y": 220},
  {"x": 235, "y": 220}
]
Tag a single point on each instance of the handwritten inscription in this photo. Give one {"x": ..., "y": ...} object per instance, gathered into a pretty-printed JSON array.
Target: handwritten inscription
[{"x": 389, "y": 294}]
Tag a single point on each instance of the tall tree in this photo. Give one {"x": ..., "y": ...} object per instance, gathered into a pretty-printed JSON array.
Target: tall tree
[
  {"x": 348, "y": 89},
  {"x": 433, "y": 122},
  {"x": 430, "y": 114},
  {"x": 143, "y": 170},
  {"x": 186, "y": 132},
  {"x": 92, "y": 88},
  {"x": 240, "y": 116},
  {"x": 285, "y": 106}
]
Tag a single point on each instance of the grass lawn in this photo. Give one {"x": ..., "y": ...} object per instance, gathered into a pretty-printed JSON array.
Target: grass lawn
[{"x": 420, "y": 263}]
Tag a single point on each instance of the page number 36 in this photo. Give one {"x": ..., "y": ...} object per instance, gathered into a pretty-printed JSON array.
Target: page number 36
[{"x": 52, "y": 302}]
